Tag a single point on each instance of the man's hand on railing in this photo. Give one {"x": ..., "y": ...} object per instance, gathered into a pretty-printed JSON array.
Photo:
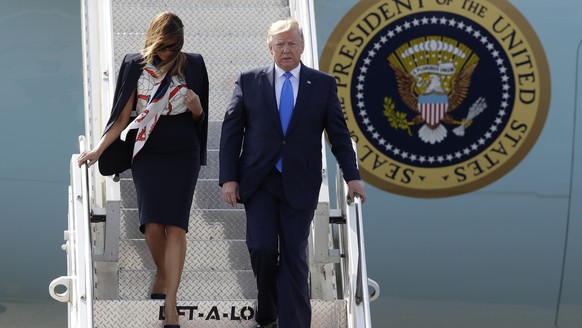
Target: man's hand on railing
[{"x": 356, "y": 189}]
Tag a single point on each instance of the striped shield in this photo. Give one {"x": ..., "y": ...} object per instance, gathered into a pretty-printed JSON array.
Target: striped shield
[{"x": 433, "y": 108}]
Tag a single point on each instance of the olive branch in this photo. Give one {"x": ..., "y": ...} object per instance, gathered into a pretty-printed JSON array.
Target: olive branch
[{"x": 396, "y": 119}]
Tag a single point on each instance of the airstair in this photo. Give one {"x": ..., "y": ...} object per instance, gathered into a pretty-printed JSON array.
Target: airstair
[{"x": 109, "y": 269}]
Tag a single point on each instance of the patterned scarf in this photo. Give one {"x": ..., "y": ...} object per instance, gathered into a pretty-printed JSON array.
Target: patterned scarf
[{"x": 147, "y": 119}]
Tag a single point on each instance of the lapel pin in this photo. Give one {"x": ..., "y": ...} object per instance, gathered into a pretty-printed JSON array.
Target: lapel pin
[{"x": 308, "y": 81}]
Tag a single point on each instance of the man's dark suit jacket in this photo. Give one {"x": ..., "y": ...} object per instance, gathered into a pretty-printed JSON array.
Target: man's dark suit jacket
[
  {"x": 196, "y": 79},
  {"x": 252, "y": 123}
]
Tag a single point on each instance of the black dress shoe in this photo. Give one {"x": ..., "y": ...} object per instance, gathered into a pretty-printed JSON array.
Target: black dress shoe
[
  {"x": 171, "y": 326},
  {"x": 158, "y": 296}
]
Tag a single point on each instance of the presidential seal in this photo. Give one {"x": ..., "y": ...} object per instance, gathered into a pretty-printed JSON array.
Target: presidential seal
[{"x": 441, "y": 96}]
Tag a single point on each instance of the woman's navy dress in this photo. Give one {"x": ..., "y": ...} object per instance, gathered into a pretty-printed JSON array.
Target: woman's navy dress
[{"x": 166, "y": 169}]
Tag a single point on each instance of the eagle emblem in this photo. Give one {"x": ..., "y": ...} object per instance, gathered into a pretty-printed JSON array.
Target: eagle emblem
[{"x": 433, "y": 77}]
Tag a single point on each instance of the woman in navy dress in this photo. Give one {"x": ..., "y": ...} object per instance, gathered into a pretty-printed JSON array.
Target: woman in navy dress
[{"x": 168, "y": 89}]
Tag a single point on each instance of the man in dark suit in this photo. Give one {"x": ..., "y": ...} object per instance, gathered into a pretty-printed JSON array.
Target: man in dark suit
[{"x": 277, "y": 120}]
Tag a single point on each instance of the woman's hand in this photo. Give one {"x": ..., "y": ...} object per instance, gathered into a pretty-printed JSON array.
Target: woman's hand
[
  {"x": 88, "y": 157},
  {"x": 193, "y": 103}
]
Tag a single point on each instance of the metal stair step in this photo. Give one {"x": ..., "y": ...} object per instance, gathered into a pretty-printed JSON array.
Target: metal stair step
[
  {"x": 248, "y": 19},
  {"x": 218, "y": 101},
  {"x": 210, "y": 170},
  {"x": 195, "y": 285},
  {"x": 215, "y": 128},
  {"x": 200, "y": 255},
  {"x": 205, "y": 314},
  {"x": 204, "y": 224},
  {"x": 200, "y": 3}
]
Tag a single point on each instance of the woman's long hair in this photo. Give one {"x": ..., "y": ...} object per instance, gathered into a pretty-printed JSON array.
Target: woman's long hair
[{"x": 165, "y": 30}]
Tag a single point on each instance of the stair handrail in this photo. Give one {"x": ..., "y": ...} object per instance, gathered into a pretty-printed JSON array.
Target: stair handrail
[
  {"x": 78, "y": 283},
  {"x": 99, "y": 83},
  {"x": 355, "y": 274}
]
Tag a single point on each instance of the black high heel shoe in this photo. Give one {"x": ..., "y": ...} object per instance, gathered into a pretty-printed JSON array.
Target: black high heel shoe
[
  {"x": 173, "y": 325},
  {"x": 154, "y": 295},
  {"x": 158, "y": 296}
]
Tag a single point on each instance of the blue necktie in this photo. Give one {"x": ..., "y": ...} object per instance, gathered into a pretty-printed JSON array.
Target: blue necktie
[{"x": 285, "y": 109}]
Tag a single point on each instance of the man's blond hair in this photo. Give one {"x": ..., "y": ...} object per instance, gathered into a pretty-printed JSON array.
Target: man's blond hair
[{"x": 284, "y": 25}]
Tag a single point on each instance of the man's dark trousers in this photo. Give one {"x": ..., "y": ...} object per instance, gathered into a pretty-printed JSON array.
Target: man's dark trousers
[{"x": 273, "y": 227}]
